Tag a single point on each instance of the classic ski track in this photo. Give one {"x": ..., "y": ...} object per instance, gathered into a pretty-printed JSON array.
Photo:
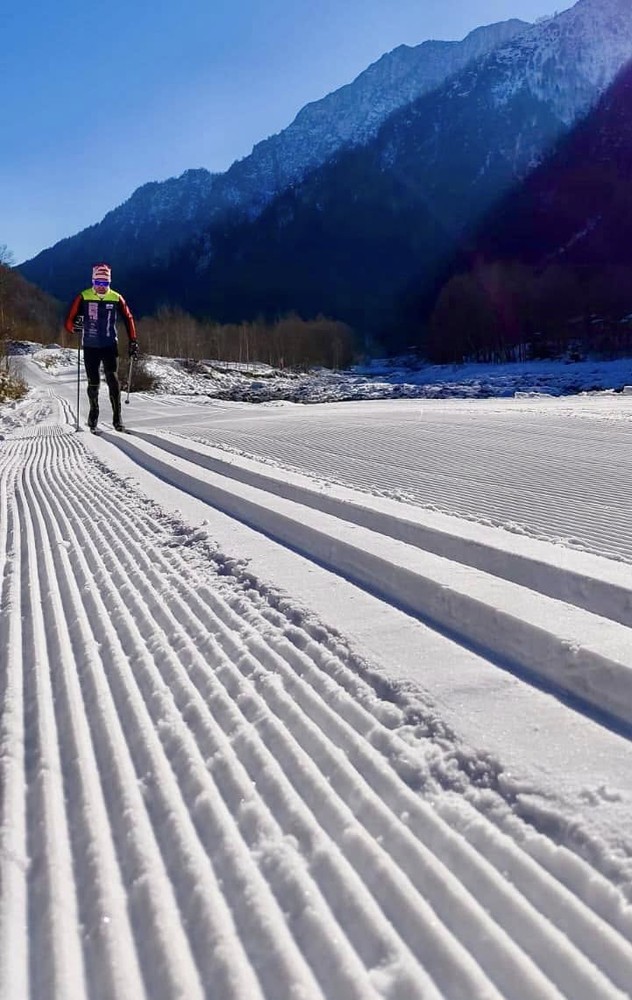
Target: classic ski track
[
  {"x": 612, "y": 601},
  {"x": 498, "y": 483},
  {"x": 13, "y": 851},
  {"x": 532, "y": 624},
  {"x": 194, "y": 754}
]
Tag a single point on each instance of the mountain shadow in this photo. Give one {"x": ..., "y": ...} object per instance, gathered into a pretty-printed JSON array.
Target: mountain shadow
[
  {"x": 349, "y": 239},
  {"x": 559, "y": 245}
]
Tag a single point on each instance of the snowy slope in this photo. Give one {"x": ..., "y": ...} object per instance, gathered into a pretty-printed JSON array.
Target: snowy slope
[
  {"x": 263, "y": 735},
  {"x": 570, "y": 60},
  {"x": 353, "y": 114}
]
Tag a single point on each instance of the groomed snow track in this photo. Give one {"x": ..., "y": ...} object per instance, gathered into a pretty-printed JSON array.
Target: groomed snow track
[
  {"x": 204, "y": 798},
  {"x": 524, "y": 606}
]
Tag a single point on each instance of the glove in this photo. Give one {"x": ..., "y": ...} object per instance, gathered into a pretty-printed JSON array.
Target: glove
[
  {"x": 77, "y": 325},
  {"x": 133, "y": 349}
]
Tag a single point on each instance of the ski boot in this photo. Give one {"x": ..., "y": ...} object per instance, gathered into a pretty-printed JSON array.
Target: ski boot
[
  {"x": 115, "y": 399},
  {"x": 117, "y": 423},
  {"x": 93, "y": 415}
]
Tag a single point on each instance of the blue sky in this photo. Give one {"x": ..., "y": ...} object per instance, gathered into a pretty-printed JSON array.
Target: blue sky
[{"x": 97, "y": 100}]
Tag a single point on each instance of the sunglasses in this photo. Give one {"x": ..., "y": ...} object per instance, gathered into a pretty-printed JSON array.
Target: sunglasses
[{"x": 101, "y": 284}]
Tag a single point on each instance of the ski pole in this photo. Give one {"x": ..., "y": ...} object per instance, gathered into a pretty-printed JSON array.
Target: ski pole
[
  {"x": 78, "y": 377},
  {"x": 79, "y": 332},
  {"x": 129, "y": 378}
]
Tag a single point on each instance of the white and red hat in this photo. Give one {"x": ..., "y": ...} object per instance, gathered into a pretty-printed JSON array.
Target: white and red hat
[{"x": 102, "y": 272}]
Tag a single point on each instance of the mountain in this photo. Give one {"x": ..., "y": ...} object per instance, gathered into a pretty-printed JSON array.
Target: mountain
[
  {"x": 377, "y": 225},
  {"x": 575, "y": 208},
  {"x": 353, "y": 115},
  {"x": 549, "y": 269},
  {"x": 162, "y": 215}
]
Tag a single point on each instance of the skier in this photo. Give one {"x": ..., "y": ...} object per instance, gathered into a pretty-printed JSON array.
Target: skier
[{"x": 94, "y": 311}]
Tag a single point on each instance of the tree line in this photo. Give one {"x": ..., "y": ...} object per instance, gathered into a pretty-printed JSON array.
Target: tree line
[
  {"x": 495, "y": 311},
  {"x": 502, "y": 311},
  {"x": 28, "y": 313},
  {"x": 289, "y": 342}
]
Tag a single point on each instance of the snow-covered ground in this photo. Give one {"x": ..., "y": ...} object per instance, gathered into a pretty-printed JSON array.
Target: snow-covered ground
[
  {"x": 256, "y": 383},
  {"x": 390, "y": 380},
  {"x": 318, "y": 702}
]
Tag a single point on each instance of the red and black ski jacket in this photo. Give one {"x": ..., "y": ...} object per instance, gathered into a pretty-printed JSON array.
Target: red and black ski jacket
[{"x": 100, "y": 313}]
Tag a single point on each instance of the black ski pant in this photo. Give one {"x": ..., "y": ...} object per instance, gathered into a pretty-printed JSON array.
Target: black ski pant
[{"x": 92, "y": 359}]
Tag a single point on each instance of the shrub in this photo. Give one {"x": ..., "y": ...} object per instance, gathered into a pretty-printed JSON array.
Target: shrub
[
  {"x": 142, "y": 378},
  {"x": 12, "y": 387}
]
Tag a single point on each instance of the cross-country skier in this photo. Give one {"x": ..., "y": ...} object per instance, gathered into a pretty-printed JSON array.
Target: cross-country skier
[{"x": 95, "y": 312}]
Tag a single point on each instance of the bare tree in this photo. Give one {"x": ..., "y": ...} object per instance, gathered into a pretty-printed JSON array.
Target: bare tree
[
  {"x": 6, "y": 263},
  {"x": 291, "y": 340},
  {"x": 7, "y": 259}
]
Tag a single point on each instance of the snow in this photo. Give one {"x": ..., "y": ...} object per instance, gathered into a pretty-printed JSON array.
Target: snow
[
  {"x": 328, "y": 701},
  {"x": 402, "y": 378},
  {"x": 592, "y": 37},
  {"x": 379, "y": 380}
]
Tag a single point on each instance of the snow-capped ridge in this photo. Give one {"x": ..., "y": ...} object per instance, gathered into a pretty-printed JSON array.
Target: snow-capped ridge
[
  {"x": 178, "y": 208},
  {"x": 353, "y": 114},
  {"x": 567, "y": 61}
]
